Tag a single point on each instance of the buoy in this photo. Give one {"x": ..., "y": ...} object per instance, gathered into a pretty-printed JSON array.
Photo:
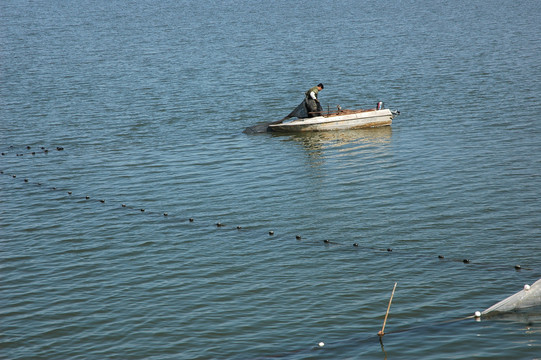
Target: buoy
[{"x": 321, "y": 344}]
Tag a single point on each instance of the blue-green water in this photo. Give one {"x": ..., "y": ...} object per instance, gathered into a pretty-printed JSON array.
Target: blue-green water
[{"x": 147, "y": 101}]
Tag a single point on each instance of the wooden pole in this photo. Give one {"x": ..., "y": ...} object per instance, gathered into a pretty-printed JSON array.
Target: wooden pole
[{"x": 382, "y": 331}]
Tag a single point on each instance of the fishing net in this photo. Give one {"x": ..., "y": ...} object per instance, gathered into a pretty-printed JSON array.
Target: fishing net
[
  {"x": 301, "y": 112},
  {"x": 258, "y": 128},
  {"x": 529, "y": 297}
]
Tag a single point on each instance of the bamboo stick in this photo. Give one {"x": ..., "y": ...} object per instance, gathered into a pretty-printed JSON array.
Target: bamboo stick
[{"x": 382, "y": 331}]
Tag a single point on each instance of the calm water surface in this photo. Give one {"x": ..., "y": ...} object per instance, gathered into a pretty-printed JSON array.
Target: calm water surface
[{"x": 146, "y": 102}]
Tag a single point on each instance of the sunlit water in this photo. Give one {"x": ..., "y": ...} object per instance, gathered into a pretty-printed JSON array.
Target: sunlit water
[{"x": 147, "y": 101}]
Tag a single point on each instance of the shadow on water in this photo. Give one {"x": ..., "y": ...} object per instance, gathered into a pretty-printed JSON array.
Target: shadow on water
[
  {"x": 341, "y": 141},
  {"x": 323, "y": 146},
  {"x": 528, "y": 317}
]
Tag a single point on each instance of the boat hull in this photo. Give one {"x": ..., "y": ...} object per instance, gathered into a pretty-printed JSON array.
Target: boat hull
[{"x": 355, "y": 120}]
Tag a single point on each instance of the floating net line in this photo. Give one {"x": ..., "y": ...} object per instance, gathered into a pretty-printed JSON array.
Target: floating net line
[{"x": 327, "y": 240}]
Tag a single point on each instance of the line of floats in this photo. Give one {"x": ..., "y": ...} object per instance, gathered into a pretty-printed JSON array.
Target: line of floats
[{"x": 43, "y": 150}]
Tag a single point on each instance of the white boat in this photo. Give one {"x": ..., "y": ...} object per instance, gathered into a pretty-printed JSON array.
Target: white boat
[{"x": 340, "y": 120}]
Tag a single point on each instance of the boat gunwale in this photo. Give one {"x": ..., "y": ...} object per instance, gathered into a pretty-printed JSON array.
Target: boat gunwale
[{"x": 357, "y": 114}]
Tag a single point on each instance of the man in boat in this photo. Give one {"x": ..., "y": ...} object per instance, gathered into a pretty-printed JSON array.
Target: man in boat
[{"x": 312, "y": 102}]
